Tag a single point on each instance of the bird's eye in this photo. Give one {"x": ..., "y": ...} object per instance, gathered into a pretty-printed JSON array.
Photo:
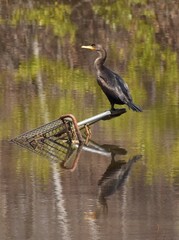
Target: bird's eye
[{"x": 93, "y": 45}]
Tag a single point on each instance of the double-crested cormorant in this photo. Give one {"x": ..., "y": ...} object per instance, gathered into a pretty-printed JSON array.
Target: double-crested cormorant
[{"x": 113, "y": 86}]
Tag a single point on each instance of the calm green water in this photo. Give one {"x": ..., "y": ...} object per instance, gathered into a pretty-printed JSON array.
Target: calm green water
[{"x": 110, "y": 193}]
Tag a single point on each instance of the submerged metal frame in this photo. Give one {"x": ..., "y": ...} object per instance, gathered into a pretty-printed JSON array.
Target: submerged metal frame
[
  {"x": 73, "y": 119},
  {"x": 51, "y": 137},
  {"x": 87, "y": 122}
]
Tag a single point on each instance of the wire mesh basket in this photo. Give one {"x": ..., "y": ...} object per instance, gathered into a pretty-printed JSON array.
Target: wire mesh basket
[
  {"x": 60, "y": 138},
  {"x": 51, "y": 137}
]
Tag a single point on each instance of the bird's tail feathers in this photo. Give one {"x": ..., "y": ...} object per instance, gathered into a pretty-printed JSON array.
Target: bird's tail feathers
[{"x": 134, "y": 107}]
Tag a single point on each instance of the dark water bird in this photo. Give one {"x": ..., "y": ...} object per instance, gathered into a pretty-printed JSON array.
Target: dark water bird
[{"x": 112, "y": 84}]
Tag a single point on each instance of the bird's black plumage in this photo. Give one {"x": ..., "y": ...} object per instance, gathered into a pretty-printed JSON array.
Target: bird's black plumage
[{"x": 112, "y": 84}]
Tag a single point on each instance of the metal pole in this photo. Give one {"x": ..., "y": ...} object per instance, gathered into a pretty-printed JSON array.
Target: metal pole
[
  {"x": 94, "y": 118},
  {"x": 102, "y": 116}
]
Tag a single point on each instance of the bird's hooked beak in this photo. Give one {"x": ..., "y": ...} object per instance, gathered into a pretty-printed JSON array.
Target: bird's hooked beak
[{"x": 89, "y": 47}]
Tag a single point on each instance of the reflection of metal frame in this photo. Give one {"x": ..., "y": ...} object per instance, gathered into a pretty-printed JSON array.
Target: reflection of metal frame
[{"x": 72, "y": 159}]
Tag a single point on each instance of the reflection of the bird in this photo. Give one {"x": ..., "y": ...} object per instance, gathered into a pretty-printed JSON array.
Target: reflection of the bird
[
  {"x": 73, "y": 155},
  {"x": 112, "y": 179}
]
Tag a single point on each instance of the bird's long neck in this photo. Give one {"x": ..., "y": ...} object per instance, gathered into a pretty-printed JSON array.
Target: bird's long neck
[{"x": 101, "y": 59}]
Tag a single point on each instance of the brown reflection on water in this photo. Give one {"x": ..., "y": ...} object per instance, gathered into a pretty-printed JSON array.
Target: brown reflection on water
[
  {"x": 64, "y": 204},
  {"x": 44, "y": 74}
]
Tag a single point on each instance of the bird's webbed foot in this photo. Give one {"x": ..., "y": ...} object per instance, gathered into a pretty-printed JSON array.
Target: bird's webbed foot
[{"x": 112, "y": 108}]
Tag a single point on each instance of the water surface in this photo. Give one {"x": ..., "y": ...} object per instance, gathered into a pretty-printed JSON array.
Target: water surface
[{"x": 111, "y": 192}]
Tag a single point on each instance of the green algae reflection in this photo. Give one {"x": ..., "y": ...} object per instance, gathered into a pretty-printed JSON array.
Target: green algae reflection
[{"x": 56, "y": 16}]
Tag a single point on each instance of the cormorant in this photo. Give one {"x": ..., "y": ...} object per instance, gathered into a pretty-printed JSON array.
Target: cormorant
[{"x": 113, "y": 86}]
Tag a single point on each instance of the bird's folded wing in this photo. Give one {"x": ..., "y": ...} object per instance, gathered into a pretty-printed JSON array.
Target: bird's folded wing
[
  {"x": 124, "y": 87},
  {"x": 111, "y": 91}
]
